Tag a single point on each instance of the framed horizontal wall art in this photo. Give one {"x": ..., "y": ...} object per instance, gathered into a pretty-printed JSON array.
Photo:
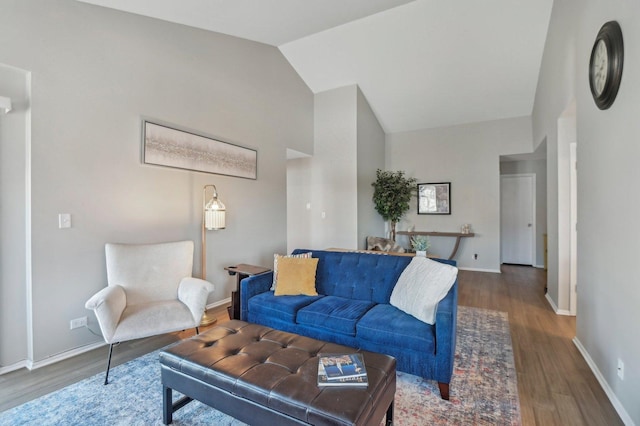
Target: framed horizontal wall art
[
  {"x": 169, "y": 146},
  {"x": 434, "y": 198}
]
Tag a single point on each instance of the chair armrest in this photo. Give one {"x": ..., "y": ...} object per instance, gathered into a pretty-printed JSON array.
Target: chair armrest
[
  {"x": 446, "y": 329},
  {"x": 252, "y": 286},
  {"x": 108, "y": 305},
  {"x": 194, "y": 292}
]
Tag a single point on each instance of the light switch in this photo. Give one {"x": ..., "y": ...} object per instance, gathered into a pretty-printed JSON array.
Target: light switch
[{"x": 64, "y": 220}]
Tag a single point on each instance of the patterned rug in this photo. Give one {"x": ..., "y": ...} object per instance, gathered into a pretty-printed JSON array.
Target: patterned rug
[{"x": 483, "y": 390}]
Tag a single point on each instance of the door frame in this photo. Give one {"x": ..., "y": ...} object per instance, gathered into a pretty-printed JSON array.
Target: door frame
[{"x": 533, "y": 213}]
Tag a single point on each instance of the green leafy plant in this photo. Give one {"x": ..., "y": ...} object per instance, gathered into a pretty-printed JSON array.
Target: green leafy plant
[
  {"x": 420, "y": 242},
  {"x": 391, "y": 195}
]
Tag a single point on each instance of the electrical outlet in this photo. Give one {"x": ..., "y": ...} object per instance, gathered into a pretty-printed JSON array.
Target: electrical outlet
[
  {"x": 64, "y": 220},
  {"x": 620, "y": 369},
  {"x": 77, "y": 323}
]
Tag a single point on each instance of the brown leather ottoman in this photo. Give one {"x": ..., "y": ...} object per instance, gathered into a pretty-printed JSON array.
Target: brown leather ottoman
[{"x": 268, "y": 377}]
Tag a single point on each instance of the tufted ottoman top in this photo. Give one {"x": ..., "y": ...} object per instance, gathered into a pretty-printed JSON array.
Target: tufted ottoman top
[{"x": 279, "y": 370}]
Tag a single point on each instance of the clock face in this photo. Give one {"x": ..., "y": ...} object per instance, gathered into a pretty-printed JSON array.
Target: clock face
[{"x": 600, "y": 67}]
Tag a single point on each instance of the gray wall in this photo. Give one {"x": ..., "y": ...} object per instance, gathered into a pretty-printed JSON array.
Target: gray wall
[
  {"x": 95, "y": 72},
  {"x": 608, "y": 206},
  {"x": 539, "y": 169},
  {"x": 371, "y": 139},
  {"x": 14, "y": 84},
  {"x": 348, "y": 149},
  {"x": 468, "y": 157}
]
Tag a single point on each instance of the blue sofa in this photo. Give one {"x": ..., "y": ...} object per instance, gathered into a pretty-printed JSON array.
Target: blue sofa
[{"x": 352, "y": 308}]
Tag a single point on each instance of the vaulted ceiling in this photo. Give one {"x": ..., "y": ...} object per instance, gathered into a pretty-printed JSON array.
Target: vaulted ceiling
[{"x": 420, "y": 64}]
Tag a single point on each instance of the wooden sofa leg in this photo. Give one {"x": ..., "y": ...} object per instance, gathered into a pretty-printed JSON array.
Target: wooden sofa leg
[{"x": 444, "y": 390}]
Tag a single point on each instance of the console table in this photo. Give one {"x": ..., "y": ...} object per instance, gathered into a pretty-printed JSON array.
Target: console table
[
  {"x": 242, "y": 271},
  {"x": 457, "y": 235}
]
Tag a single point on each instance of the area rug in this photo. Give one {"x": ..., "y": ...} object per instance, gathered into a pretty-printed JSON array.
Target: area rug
[{"x": 483, "y": 390}]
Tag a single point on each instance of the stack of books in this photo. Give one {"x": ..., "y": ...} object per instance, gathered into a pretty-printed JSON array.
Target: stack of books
[{"x": 342, "y": 370}]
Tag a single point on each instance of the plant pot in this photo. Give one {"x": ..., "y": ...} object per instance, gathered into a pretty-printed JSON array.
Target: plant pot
[{"x": 421, "y": 253}]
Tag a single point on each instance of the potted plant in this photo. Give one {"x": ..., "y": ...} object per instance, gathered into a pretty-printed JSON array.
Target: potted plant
[
  {"x": 391, "y": 195},
  {"x": 420, "y": 244}
]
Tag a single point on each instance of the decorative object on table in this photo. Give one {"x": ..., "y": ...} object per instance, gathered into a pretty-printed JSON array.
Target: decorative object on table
[
  {"x": 391, "y": 195},
  {"x": 457, "y": 235},
  {"x": 420, "y": 244},
  {"x": 342, "y": 370},
  {"x": 386, "y": 245},
  {"x": 466, "y": 228},
  {"x": 213, "y": 218},
  {"x": 605, "y": 64},
  {"x": 434, "y": 198},
  {"x": 149, "y": 291},
  {"x": 171, "y": 146}
]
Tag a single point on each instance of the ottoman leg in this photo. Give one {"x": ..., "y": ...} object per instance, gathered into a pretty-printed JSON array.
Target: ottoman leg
[
  {"x": 389, "y": 418},
  {"x": 167, "y": 405}
]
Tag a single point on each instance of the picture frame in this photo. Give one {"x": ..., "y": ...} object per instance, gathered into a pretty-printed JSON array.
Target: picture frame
[
  {"x": 169, "y": 145},
  {"x": 434, "y": 198}
]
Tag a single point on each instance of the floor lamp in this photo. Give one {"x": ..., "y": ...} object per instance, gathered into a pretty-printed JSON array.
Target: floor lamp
[{"x": 213, "y": 218}]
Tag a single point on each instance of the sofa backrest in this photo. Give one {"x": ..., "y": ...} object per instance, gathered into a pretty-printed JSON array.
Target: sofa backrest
[{"x": 357, "y": 275}]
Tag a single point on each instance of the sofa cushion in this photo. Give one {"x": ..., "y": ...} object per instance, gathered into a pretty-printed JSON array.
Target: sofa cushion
[
  {"x": 389, "y": 326},
  {"x": 277, "y": 257},
  {"x": 334, "y": 313},
  {"x": 421, "y": 286},
  {"x": 281, "y": 307},
  {"x": 296, "y": 276}
]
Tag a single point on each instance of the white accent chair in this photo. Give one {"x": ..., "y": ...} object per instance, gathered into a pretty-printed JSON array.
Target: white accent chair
[{"x": 149, "y": 291}]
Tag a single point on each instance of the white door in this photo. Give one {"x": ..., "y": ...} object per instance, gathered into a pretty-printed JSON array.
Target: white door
[{"x": 517, "y": 223}]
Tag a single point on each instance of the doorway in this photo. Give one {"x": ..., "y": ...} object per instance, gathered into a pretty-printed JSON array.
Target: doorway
[{"x": 517, "y": 223}]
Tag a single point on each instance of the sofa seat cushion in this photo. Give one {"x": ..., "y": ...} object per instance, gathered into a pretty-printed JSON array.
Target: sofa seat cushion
[
  {"x": 334, "y": 313},
  {"x": 389, "y": 326},
  {"x": 268, "y": 305}
]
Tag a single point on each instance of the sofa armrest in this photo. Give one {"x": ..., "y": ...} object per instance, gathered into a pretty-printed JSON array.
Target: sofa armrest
[
  {"x": 252, "y": 286},
  {"x": 194, "y": 292},
  {"x": 108, "y": 305},
  {"x": 446, "y": 328}
]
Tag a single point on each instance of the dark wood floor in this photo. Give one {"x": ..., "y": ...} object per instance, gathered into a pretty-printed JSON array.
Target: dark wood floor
[{"x": 555, "y": 385}]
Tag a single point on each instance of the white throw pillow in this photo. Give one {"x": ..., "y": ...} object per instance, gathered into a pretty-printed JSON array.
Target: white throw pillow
[{"x": 422, "y": 284}]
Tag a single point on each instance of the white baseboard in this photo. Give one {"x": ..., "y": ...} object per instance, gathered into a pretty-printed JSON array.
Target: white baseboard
[
  {"x": 624, "y": 416},
  {"x": 31, "y": 365},
  {"x": 555, "y": 307},
  {"x": 13, "y": 367},
  {"x": 222, "y": 302},
  {"x": 494, "y": 271},
  {"x": 539, "y": 266}
]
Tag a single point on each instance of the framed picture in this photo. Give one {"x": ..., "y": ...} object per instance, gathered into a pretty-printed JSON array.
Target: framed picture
[
  {"x": 171, "y": 146},
  {"x": 434, "y": 198}
]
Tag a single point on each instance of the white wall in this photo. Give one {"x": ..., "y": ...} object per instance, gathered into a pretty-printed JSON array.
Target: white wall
[
  {"x": 336, "y": 181},
  {"x": 371, "y": 140},
  {"x": 14, "y": 84},
  {"x": 468, "y": 157},
  {"x": 95, "y": 72},
  {"x": 539, "y": 169},
  {"x": 608, "y": 205}
]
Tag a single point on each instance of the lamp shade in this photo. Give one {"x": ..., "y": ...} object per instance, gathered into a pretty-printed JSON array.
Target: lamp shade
[{"x": 214, "y": 213}]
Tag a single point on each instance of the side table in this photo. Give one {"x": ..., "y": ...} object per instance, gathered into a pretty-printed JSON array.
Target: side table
[{"x": 241, "y": 272}]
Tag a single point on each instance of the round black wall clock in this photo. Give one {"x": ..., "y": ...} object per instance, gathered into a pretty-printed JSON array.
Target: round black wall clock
[{"x": 605, "y": 66}]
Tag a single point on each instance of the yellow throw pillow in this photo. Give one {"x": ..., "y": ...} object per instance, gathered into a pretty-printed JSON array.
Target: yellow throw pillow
[{"x": 296, "y": 276}]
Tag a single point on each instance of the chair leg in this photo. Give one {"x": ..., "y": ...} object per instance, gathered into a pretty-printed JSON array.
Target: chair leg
[
  {"x": 197, "y": 330},
  {"x": 106, "y": 377}
]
